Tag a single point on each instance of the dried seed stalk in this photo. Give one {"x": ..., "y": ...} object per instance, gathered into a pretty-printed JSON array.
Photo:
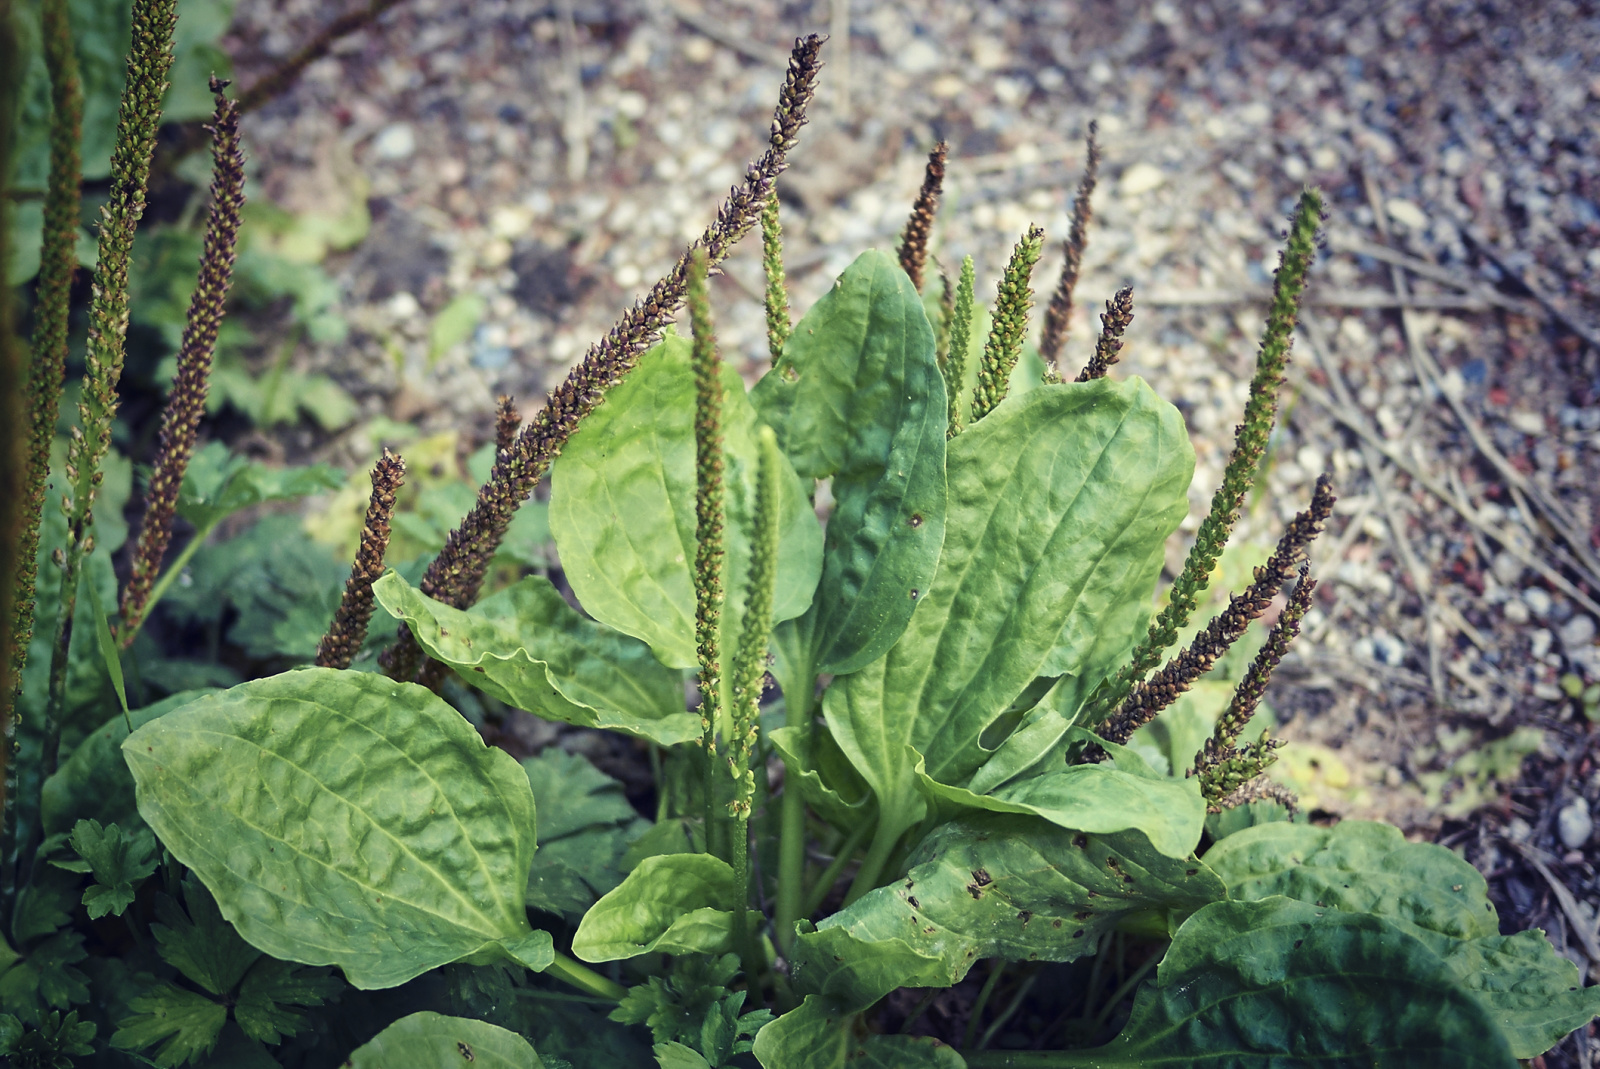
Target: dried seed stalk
[
  {"x": 1058, "y": 316},
  {"x": 456, "y": 575},
  {"x": 186, "y": 402},
  {"x": 1148, "y": 699},
  {"x": 1113, "y": 324},
  {"x": 349, "y": 627},
  {"x": 919, "y": 228}
]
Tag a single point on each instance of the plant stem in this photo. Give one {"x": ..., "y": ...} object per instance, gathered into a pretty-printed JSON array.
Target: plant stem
[
  {"x": 830, "y": 875},
  {"x": 792, "y": 830},
  {"x": 744, "y": 937},
  {"x": 1010, "y": 1011},
  {"x": 585, "y": 979},
  {"x": 883, "y": 843},
  {"x": 984, "y": 994},
  {"x": 175, "y": 569}
]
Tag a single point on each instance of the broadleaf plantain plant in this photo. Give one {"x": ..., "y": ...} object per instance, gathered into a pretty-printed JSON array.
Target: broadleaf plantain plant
[{"x": 308, "y": 867}]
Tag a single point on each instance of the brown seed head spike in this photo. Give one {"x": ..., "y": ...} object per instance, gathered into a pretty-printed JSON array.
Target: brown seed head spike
[
  {"x": 914, "y": 242},
  {"x": 1058, "y": 316},
  {"x": 186, "y": 402},
  {"x": 1162, "y": 689},
  {"x": 349, "y": 628},
  {"x": 456, "y": 574},
  {"x": 507, "y": 420},
  {"x": 1258, "y": 790},
  {"x": 1113, "y": 324}
]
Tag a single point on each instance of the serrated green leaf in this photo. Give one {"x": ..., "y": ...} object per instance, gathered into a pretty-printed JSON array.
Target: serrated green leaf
[
  {"x": 269, "y": 989},
  {"x": 185, "y": 1024},
  {"x": 526, "y": 646},
  {"x": 1533, "y": 994},
  {"x": 1059, "y": 503},
  {"x": 341, "y": 818},
  {"x": 622, "y": 509},
  {"x": 117, "y": 861},
  {"x": 678, "y": 1056},
  {"x": 94, "y": 783},
  {"x": 46, "y": 977},
  {"x": 432, "y": 1041},
  {"x": 585, "y": 826},
  {"x": 672, "y": 903},
  {"x": 217, "y": 484},
  {"x": 1278, "y": 982},
  {"x": 857, "y": 396},
  {"x": 199, "y": 943}
]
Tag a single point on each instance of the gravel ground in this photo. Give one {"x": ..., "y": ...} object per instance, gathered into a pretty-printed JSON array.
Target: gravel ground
[{"x": 553, "y": 160}]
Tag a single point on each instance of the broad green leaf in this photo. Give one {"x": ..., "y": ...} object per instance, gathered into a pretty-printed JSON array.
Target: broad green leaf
[
  {"x": 671, "y": 903},
  {"x": 857, "y": 396},
  {"x": 817, "y": 1036},
  {"x": 1278, "y": 982},
  {"x": 1097, "y": 799},
  {"x": 429, "y": 1040},
  {"x": 1533, "y": 994},
  {"x": 622, "y": 509},
  {"x": 216, "y": 484},
  {"x": 991, "y": 885},
  {"x": 830, "y": 785},
  {"x": 185, "y": 1023},
  {"x": 526, "y": 646},
  {"x": 1059, "y": 502},
  {"x": 341, "y": 818},
  {"x": 94, "y": 783}
]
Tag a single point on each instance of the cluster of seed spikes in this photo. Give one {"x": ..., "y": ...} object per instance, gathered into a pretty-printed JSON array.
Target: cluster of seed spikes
[
  {"x": 1058, "y": 314},
  {"x": 186, "y": 402},
  {"x": 1009, "y": 326},
  {"x": 1149, "y": 698},
  {"x": 777, "y": 296},
  {"x": 1250, "y": 443},
  {"x": 955, "y": 366},
  {"x": 14, "y": 474},
  {"x": 456, "y": 575},
  {"x": 709, "y": 511},
  {"x": 1225, "y": 767},
  {"x": 1113, "y": 324},
  {"x": 349, "y": 627}
]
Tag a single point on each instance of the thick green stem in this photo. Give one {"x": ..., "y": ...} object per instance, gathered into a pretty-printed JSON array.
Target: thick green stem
[
  {"x": 175, "y": 569},
  {"x": 883, "y": 844},
  {"x": 792, "y": 831},
  {"x": 744, "y": 936},
  {"x": 830, "y": 875},
  {"x": 986, "y": 992},
  {"x": 585, "y": 979}
]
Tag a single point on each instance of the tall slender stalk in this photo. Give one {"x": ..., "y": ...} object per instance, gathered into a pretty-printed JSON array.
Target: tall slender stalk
[
  {"x": 14, "y": 457},
  {"x": 749, "y": 671},
  {"x": 1058, "y": 315},
  {"x": 138, "y": 116},
  {"x": 1250, "y": 442},
  {"x": 456, "y": 575},
  {"x": 955, "y": 365},
  {"x": 919, "y": 228},
  {"x": 777, "y": 296},
  {"x": 349, "y": 627},
  {"x": 186, "y": 402},
  {"x": 1009, "y": 328},
  {"x": 709, "y": 514}
]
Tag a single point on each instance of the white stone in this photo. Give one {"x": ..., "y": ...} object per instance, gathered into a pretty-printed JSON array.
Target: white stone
[
  {"x": 1531, "y": 423},
  {"x": 918, "y": 56},
  {"x": 1517, "y": 613},
  {"x": 1141, "y": 178},
  {"x": 403, "y": 305},
  {"x": 1538, "y": 600},
  {"x": 1574, "y": 824},
  {"x": 1407, "y": 214},
  {"x": 1542, "y": 639},
  {"x": 1577, "y": 632},
  {"x": 395, "y": 141},
  {"x": 1507, "y": 568}
]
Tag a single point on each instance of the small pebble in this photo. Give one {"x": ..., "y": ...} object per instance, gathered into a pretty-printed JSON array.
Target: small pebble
[
  {"x": 1140, "y": 178},
  {"x": 395, "y": 141},
  {"x": 1507, "y": 568},
  {"x": 1538, "y": 601},
  {"x": 1542, "y": 639},
  {"x": 1577, "y": 632},
  {"x": 1574, "y": 824},
  {"x": 1517, "y": 613}
]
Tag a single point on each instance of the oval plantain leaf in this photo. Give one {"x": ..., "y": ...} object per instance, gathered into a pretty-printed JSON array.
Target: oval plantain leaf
[
  {"x": 991, "y": 885},
  {"x": 341, "y": 818},
  {"x": 1095, "y": 798},
  {"x": 858, "y": 396},
  {"x": 1257, "y": 985},
  {"x": 671, "y": 903},
  {"x": 1059, "y": 503},
  {"x": 526, "y": 646},
  {"x": 1534, "y": 994},
  {"x": 429, "y": 1040},
  {"x": 622, "y": 509},
  {"x": 816, "y": 1036}
]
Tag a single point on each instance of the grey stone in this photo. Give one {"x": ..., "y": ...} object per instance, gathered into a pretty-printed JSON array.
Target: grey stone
[
  {"x": 1577, "y": 632},
  {"x": 1574, "y": 824}
]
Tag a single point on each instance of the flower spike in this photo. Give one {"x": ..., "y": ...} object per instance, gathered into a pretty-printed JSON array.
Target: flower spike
[
  {"x": 919, "y": 228},
  {"x": 1113, "y": 324},
  {"x": 1010, "y": 326},
  {"x": 1058, "y": 316},
  {"x": 777, "y": 289},
  {"x": 349, "y": 628},
  {"x": 955, "y": 365}
]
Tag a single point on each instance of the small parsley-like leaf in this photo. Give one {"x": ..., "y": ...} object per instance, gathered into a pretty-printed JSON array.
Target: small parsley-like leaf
[
  {"x": 678, "y": 1056},
  {"x": 118, "y": 862},
  {"x": 45, "y": 978},
  {"x": 52, "y": 1045},
  {"x": 200, "y": 944},
  {"x": 185, "y": 1023},
  {"x": 269, "y": 988}
]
